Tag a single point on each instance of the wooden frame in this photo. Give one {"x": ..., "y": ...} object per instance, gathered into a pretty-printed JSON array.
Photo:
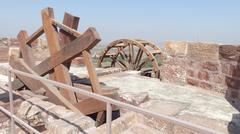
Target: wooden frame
[
  {"x": 124, "y": 50},
  {"x": 65, "y": 43}
]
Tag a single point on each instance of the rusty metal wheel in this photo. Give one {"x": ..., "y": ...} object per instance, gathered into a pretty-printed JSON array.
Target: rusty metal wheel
[{"x": 129, "y": 54}]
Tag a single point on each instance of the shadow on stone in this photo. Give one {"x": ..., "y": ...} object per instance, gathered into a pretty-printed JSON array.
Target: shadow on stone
[{"x": 231, "y": 69}]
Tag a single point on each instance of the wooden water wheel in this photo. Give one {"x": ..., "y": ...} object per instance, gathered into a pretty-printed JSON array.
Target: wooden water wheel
[{"x": 139, "y": 55}]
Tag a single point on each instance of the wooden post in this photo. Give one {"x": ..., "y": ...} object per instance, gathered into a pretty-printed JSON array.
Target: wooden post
[
  {"x": 26, "y": 50},
  {"x": 60, "y": 72},
  {"x": 65, "y": 38},
  {"x": 91, "y": 72}
]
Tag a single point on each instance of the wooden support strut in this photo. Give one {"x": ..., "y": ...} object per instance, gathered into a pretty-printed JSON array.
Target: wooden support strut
[
  {"x": 85, "y": 42},
  {"x": 60, "y": 73},
  {"x": 63, "y": 47},
  {"x": 72, "y": 22},
  {"x": 26, "y": 50},
  {"x": 66, "y": 28},
  {"x": 18, "y": 64},
  {"x": 35, "y": 35}
]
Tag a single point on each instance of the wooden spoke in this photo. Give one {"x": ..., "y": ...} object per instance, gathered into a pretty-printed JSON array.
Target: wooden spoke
[
  {"x": 121, "y": 64},
  {"x": 113, "y": 61},
  {"x": 139, "y": 58},
  {"x": 142, "y": 64}
]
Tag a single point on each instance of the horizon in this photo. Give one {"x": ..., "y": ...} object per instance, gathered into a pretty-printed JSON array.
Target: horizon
[{"x": 203, "y": 21}]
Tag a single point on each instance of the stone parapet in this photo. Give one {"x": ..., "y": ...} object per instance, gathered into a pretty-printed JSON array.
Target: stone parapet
[{"x": 210, "y": 66}]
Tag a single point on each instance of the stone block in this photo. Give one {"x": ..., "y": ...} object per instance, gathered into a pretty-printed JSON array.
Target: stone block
[
  {"x": 173, "y": 74},
  {"x": 203, "y": 51},
  {"x": 61, "y": 127},
  {"x": 234, "y": 94},
  {"x": 83, "y": 123},
  {"x": 134, "y": 98},
  {"x": 192, "y": 82},
  {"x": 203, "y": 75},
  {"x": 175, "y": 47},
  {"x": 190, "y": 73},
  {"x": 119, "y": 125},
  {"x": 175, "y": 61},
  {"x": 218, "y": 78},
  {"x": 233, "y": 82},
  {"x": 59, "y": 111},
  {"x": 211, "y": 66},
  {"x": 164, "y": 107},
  {"x": 229, "y": 52},
  {"x": 205, "y": 85},
  {"x": 14, "y": 51},
  {"x": 4, "y": 53},
  {"x": 31, "y": 113},
  {"x": 141, "y": 129},
  {"x": 218, "y": 125}
]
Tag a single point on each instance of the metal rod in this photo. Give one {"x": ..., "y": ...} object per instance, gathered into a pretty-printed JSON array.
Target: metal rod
[
  {"x": 174, "y": 120},
  {"x": 19, "y": 120},
  {"x": 109, "y": 118},
  {"x": 12, "y": 123}
]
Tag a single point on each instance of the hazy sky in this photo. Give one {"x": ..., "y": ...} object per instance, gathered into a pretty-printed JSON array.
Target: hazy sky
[{"x": 154, "y": 20}]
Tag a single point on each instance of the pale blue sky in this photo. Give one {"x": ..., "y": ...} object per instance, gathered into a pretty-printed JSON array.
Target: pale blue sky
[{"x": 154, "y": 20}]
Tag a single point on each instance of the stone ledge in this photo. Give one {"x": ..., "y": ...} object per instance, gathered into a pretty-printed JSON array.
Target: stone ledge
[{"x": 56, "y": 119}]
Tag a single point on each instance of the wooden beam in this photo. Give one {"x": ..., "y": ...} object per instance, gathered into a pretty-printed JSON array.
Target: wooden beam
[
  {"x": 105, "y": 91},
  {"x": 26, "y": 51},
  {"x": 16, "y": 63},
  {"x": 35, "y": 85},
  {"x": 72, "y": 22},
  {"x": 66, "y": 28},
  {"x": 85, "y": 42},
  {"x": 90, "y": 106},
  {"x": 60, "y": 71},
  {"x": 101, "y": 118},
  {"x": 35, "y": 35},
  {"x": 91, "y": 72}
]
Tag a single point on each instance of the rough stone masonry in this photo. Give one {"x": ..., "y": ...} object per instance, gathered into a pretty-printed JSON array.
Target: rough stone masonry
[{"x": 210, "y": 66}]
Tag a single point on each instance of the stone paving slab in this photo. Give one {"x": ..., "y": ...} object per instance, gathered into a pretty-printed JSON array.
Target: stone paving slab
[{"x": 179, "y": 101}]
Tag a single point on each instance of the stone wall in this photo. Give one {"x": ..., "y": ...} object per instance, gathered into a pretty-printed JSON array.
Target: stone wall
[
  {"x": 39, "y": 48},
  {"x": 207, "y": 65}
]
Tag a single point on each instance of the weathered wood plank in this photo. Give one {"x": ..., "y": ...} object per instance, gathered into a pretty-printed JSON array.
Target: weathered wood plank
[
  {"x": 35, "y": 85},
  {"x": 101, "y": 117},
  {"x": 91, "y": 72},
  {"x": 35, "y": 35},
  {"x": 72, "y": 22},
  {"x": 105, "y": 91},
  {"x": 26, "y": 50},
  {"x": 90, "y": 106},
  {"x": 66, "y": 28},
  {"x": 85, "y": 42},
  {"x": 60, "y": 72}
]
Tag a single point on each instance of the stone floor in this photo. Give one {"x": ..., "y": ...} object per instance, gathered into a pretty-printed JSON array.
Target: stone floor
[{"x": 189, "y": 103}]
